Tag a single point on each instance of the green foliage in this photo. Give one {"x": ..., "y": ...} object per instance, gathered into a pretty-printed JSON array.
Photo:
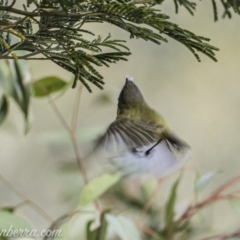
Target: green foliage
[
  {"x": 47, "y": 85},
  {"x": 169, "y": 210},
  {"x": 227, "y": 5},
  {"x": 13, "y": 82},
  {"x": 98, "y": 233},
  {"x": 169, "y": 215},
  {"x": 56, "y": 30},
  {"x": 124, "y": 226},
  {"x": 10, "y": 220},
  {"x": 189, "y": 5},
  {"x": 97, "y": 187},
  {"x": 119, "y": 224},
  {"x": 3, "y": 108}
]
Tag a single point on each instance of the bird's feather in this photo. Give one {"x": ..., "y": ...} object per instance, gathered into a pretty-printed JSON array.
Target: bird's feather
[{"x": 143, "y": 147}]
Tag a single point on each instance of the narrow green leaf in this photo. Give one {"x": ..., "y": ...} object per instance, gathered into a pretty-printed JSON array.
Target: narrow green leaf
[
  {"x": 64, "y": 228},
  {"x": 9, "y": 220},
  {"x": 169, "y": 214},
  {"x": 156, "y": 237},
  {"x": 90, "y": 235},
  {"x": 13, "y": 81},
  {"x": 3, "y": 108},
  {"x": 100, "y": 232},
  {"x": 203, "y": 181},
  {"x": 123, "y": 227},
  {"x": 97, "y": 187},
  {"x": 8, "y": 209},
  {"x": 21, "y": 89},
  {"x": 47, "y": 85}
]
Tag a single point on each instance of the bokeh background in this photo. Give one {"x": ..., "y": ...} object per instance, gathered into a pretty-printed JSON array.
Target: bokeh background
[{"x": 200, "y": 101}]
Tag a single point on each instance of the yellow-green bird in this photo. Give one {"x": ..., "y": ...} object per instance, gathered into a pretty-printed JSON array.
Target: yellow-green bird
[{"x": 139, "y": 140}]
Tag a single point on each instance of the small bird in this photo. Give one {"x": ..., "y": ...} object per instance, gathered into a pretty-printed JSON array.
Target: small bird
[{"x": 140, "y": 137}]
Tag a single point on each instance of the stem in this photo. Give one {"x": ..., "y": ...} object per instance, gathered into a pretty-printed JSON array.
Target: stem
[
  {"x": 26, "y": 199},
  {"x": 147, "y": 230},
  {"x": 76, "y": 108},
  {"x": 223, "y": 237},
  {"x": 72, "y": 136},
  {"x": 78, "y": 156},
  {"x": 12, "y": 4},
  {"x": 43, "y": 13},
  {"x": 215, "y": 196}
]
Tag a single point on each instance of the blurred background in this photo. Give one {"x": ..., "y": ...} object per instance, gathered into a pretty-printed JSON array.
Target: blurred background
[{"x": 200, "y": 101}]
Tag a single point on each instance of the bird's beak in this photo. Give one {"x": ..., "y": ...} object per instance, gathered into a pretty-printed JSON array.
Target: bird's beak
[{"x": 129, "y": 79}]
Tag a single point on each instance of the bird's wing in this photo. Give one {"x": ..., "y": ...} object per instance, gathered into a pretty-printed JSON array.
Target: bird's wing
[
  {"x": 143, "y": 147},
  {"x": 127, "y": 134}
]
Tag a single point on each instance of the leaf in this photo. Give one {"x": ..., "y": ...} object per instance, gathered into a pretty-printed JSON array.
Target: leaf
[
  {"x": 100, "y": 232},
  {"x": 204, "y": 180},
  {"x": 169, "y": 213},
  {"x": 10, "y": 209},
  {"x": 12, "y": 80},
  {"x": 90, "y": 235},
  {"x": 20, "y": 91},
  {"x": 3, "y": 108},
  {"x": 9, "y": 221},
  {"x": 235, "y": 204},
  {"x": 156, "y": 237},
  {"x": 123, "y": 227},
  {"x": 97, "y": 187},
  {"x": 64, "y": 230},
  {"x": 47, "y": 85}
]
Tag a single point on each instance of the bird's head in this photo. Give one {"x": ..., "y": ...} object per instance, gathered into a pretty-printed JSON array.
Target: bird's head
[{"x": 130, "y": 96}]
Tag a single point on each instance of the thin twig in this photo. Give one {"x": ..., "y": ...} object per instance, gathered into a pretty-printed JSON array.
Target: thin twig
[
  {"x": 147, "y": 230},
  {"x": 223, "y": 237},
  {"x": 76, "y": 108},
  {"x": 26, "y": 199},
  {"x": 215, "y": 196},
  {"x": 141, "y": 1},
  {"x": 58, "y": 113},
  {"x": 25, "y": 58},
  {"x": 72, "y": 137},
  {"x": 49, "y": 14},
  {"x": 74, "y": 143},
  {"x": 12, "y": 4},
  {"x": 226, "y": 185}
]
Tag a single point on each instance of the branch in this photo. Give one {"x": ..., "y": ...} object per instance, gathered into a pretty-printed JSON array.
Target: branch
[
  {"x": 223, "y": 236},
  {"x": 215, "y": 196},
  {"x": 141, "y": 1},
  {"x": 43, "y": 13},
  {"x": 26, "y": 199}
]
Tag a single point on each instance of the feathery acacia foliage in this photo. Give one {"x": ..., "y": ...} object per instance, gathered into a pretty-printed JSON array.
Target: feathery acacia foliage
[
  {"x": 56, "y": 30},
  {"x": 227, "y": 5}
]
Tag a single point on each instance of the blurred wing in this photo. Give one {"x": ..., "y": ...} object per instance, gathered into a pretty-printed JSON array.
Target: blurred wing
[
  {"x": 144, "y": 147},
  {"x": 124, "y": 135}
]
